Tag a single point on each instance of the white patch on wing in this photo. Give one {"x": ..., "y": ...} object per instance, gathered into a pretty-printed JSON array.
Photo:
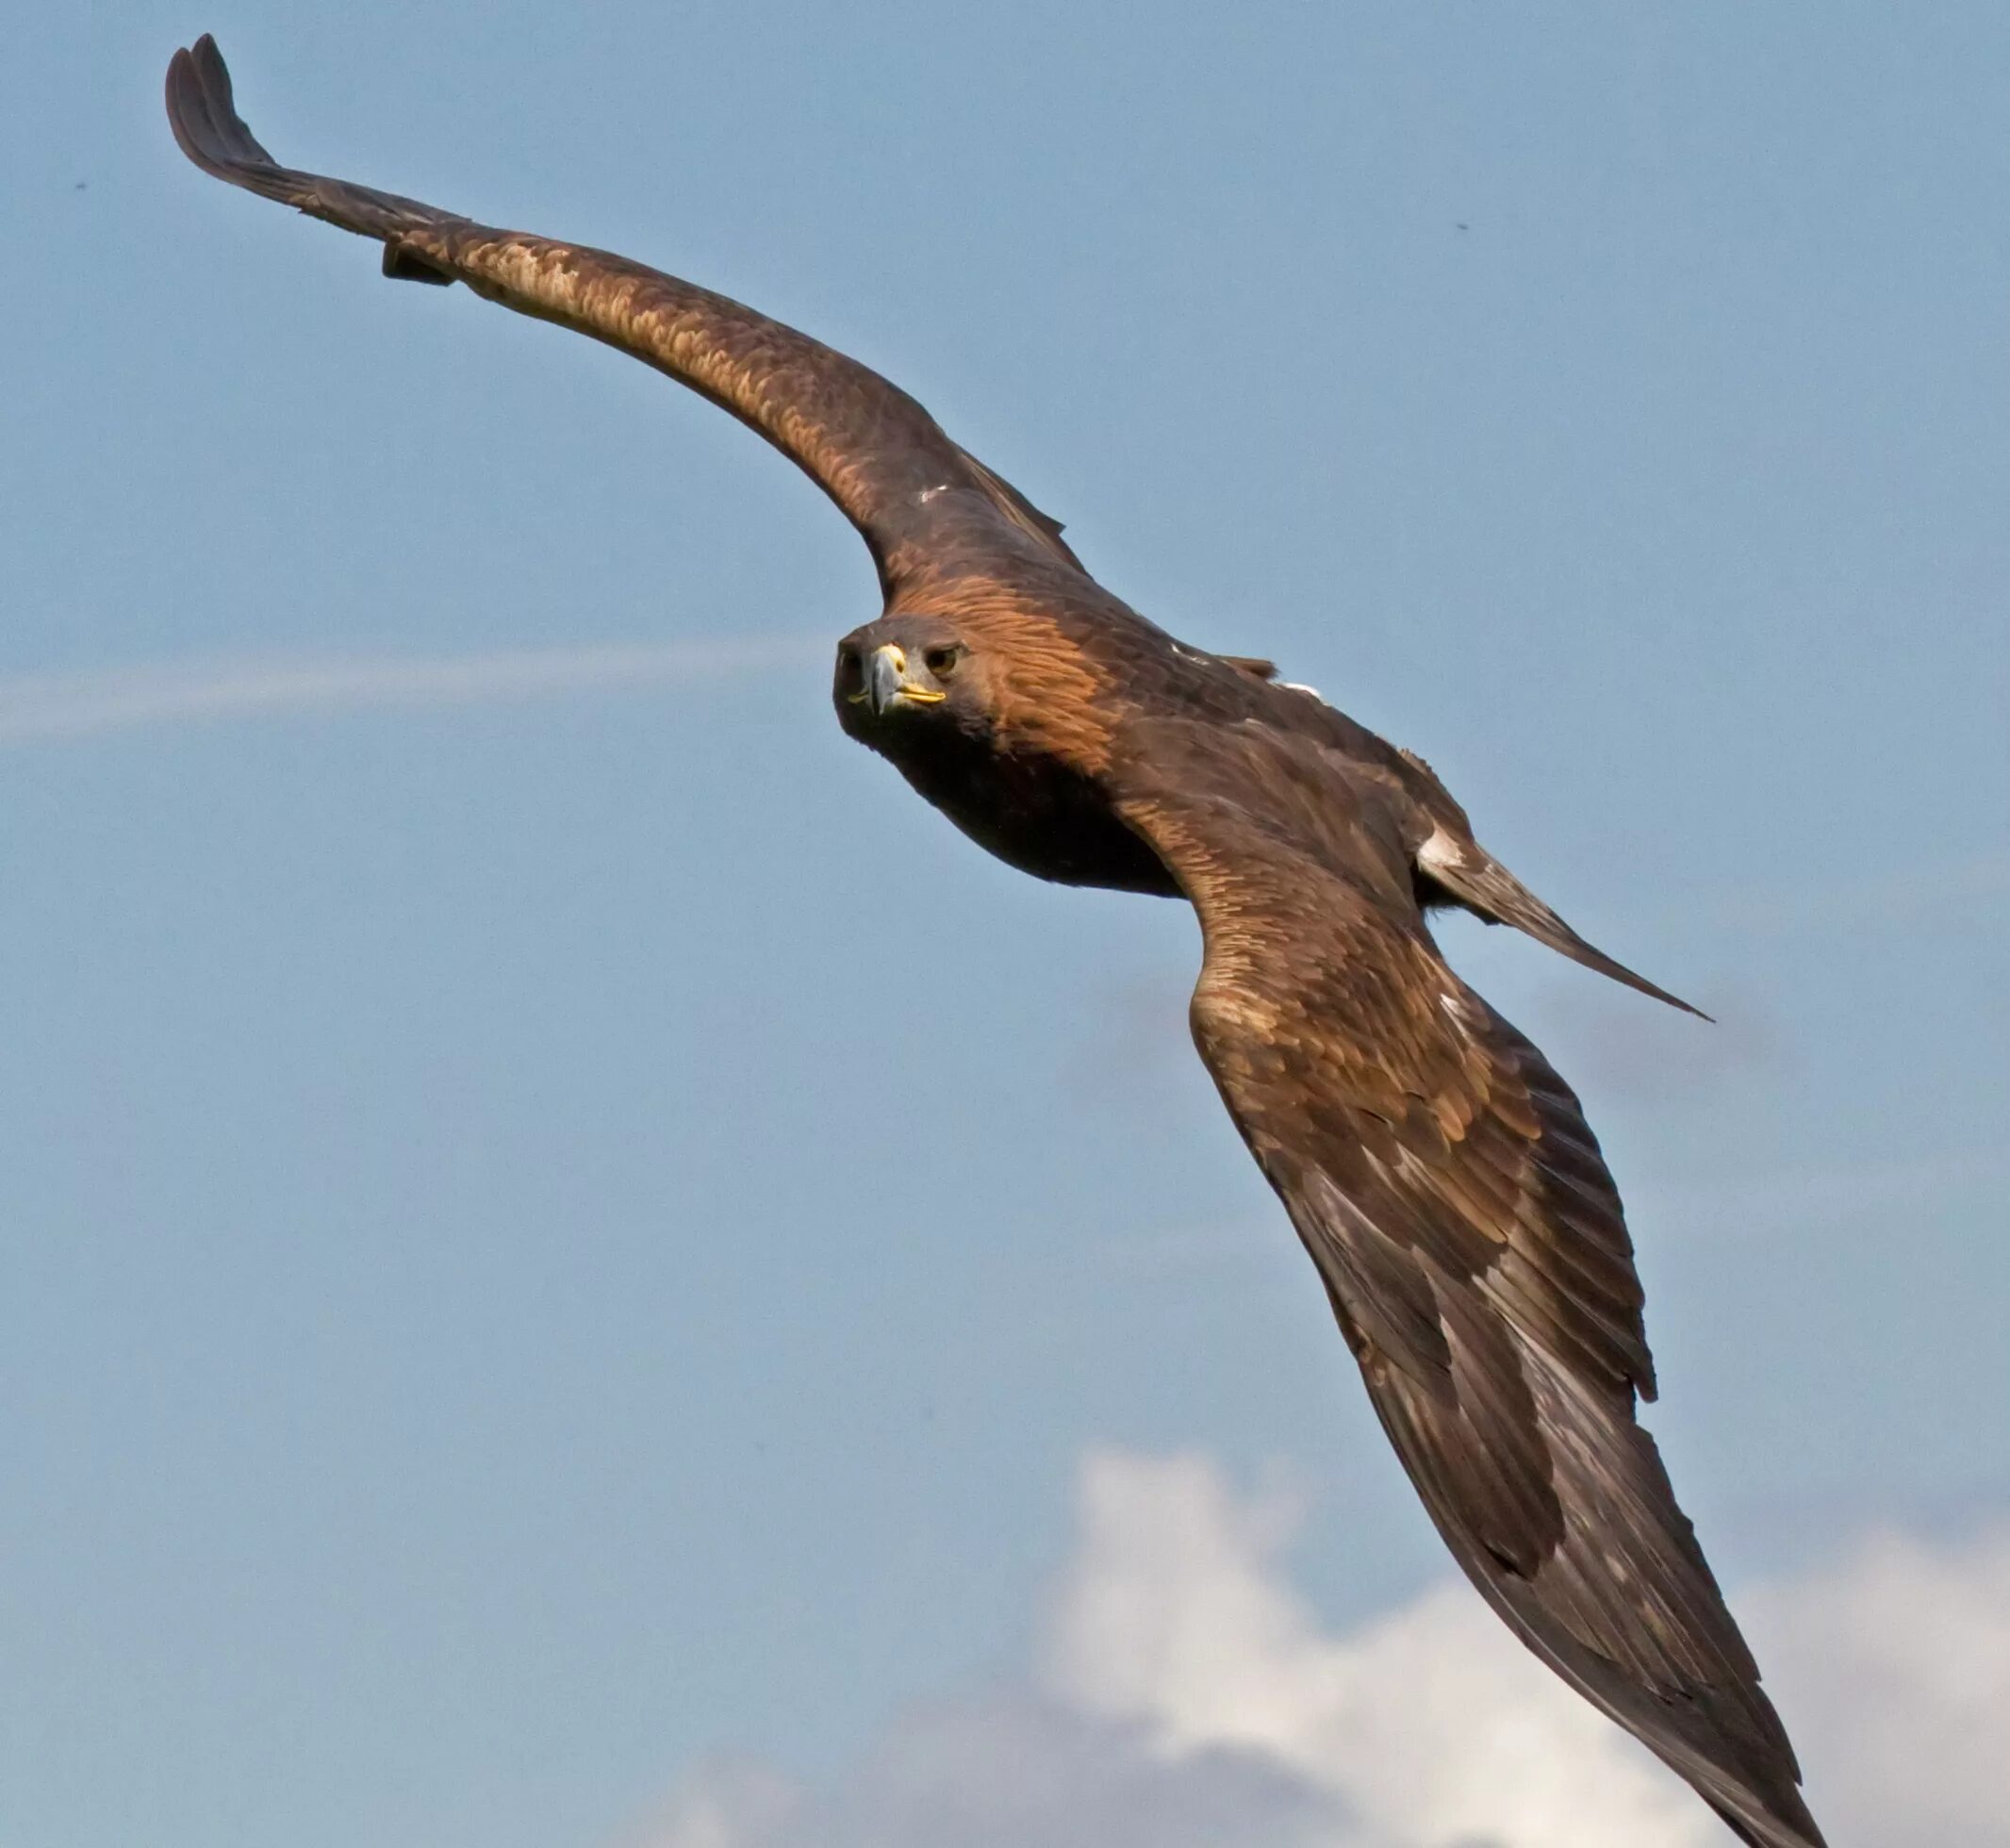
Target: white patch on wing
[
  {"x": 1440, "y": 851},
  {"x": 1458, "y": 1009}
]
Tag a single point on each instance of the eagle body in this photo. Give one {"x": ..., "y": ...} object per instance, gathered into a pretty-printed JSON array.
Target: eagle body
[
  {"x": 1441, "y": 1177},
  {"x": 1033, "y": 771},
  {"x": 1038, "y": 814}
]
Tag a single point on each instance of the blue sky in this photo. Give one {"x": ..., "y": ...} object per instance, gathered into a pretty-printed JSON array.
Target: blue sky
[{"x": 497, "y": 1307}]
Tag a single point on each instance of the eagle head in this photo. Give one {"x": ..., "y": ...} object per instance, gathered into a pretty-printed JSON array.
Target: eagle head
[{"x": 904, "y": 672}]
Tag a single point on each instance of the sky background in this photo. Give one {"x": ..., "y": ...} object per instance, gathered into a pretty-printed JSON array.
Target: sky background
[{"x": 580, "y": 1269}]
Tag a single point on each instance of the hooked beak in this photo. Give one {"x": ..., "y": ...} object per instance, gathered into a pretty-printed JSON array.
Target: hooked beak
[{"x": 889, "y": 683}]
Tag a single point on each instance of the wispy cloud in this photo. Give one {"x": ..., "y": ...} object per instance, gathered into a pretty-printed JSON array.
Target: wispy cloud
[
  {"x": 42, "y": 708},
  {"x": 1185, "y": 1694},
  {"x": 1845, "y": 1193},
  {"x": 1883, "y": 900}
]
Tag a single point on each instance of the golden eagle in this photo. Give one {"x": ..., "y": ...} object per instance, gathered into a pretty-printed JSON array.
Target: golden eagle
[{"x": 1440, "y": 1174}]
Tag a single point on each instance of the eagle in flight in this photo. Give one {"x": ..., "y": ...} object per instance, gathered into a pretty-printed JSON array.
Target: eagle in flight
[{"x": 1439, "y": 1172}]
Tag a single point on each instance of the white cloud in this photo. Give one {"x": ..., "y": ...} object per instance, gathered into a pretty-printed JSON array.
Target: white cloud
[
  {"x": 1432, "y": 1725},
  {"x": 1893, "y": 1665},
  {"x": 37, "y": 708},
  {"x": 1185, "y": 1694}
]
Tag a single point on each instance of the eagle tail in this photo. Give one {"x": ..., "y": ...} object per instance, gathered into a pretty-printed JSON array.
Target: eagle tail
[{"x": 1471, "y": 877}]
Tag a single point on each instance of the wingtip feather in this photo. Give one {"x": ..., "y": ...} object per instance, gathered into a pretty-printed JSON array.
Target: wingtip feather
[
  {"x": 202, "y": 112},
  {"x": 1620, "y": 972},
  {"x": 1474, "y": 878}
]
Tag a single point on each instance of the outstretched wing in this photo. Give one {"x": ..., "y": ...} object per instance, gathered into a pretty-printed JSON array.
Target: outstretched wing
[
  {"x": 921, "y": 503},
  {"x": 1444, "y": 1180}
]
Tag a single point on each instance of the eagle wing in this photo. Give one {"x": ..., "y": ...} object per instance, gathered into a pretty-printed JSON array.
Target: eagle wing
[
  {"x": 920, "y": 503},
  {"x": 1444, "y": 1180}
]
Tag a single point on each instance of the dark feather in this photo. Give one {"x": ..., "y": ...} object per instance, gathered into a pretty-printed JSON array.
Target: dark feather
[
  {"x": 1470, "y": 876},
  {"x": 1445, "y": 1184},
  {"x": 923, "y": 504}
]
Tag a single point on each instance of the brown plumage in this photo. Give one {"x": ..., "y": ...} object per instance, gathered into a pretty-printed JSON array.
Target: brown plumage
[{"x": 1440, "y": 1174}]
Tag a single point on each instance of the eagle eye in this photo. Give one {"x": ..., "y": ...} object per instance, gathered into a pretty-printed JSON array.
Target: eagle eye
[
  {"x": 850, "y": 670},
  {"x": 941, "y": 661}
]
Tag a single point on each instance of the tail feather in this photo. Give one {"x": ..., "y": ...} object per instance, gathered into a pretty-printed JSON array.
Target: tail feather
[{"x": 1470, "y": 876}]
